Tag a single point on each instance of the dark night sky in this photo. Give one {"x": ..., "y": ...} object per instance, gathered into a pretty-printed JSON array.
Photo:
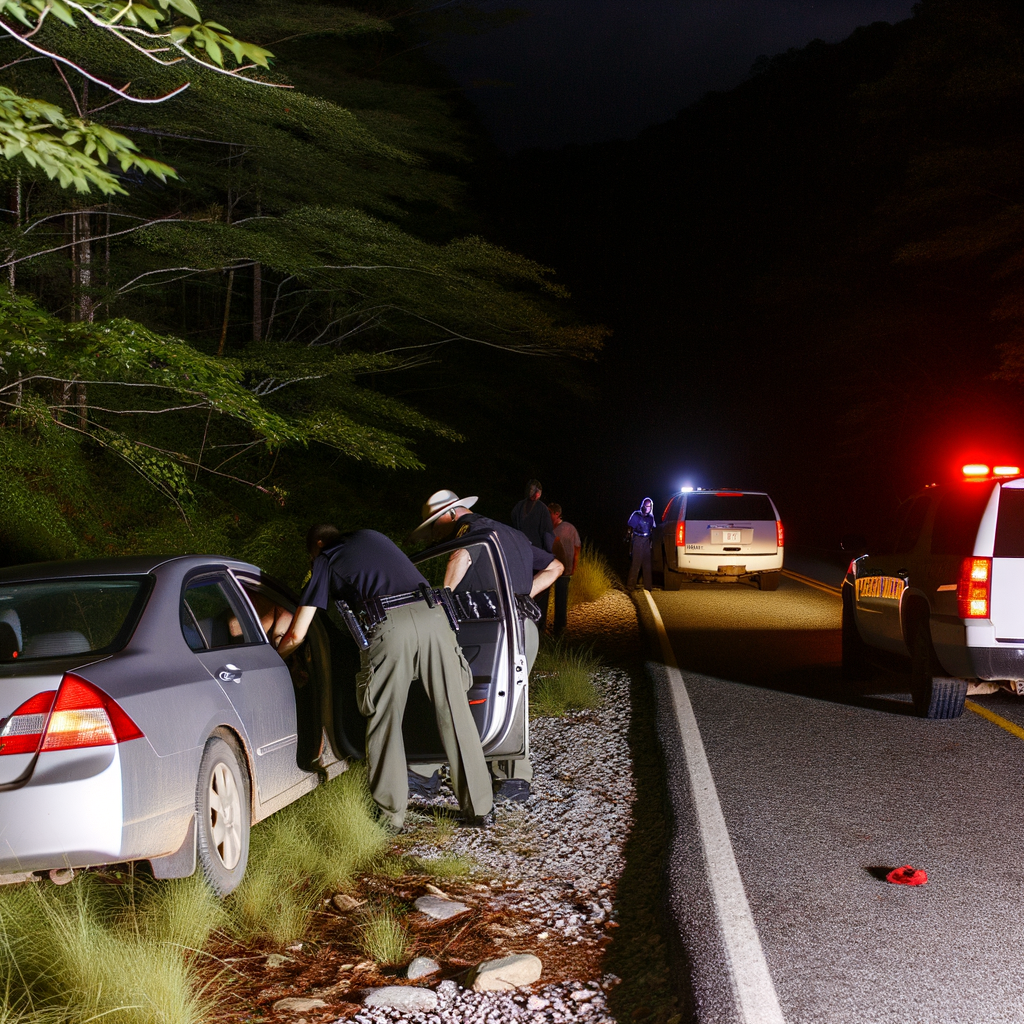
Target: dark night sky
[{"x": 590, "y": 70}]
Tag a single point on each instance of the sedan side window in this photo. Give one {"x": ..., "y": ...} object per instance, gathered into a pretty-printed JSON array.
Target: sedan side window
[{"x": 212, "y": 617}]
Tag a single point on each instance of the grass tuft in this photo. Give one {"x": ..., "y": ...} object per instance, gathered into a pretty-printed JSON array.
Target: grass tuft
[
  {"x": 593, "y": 578},
  {"x": 383, "y": 938},
  {"x": 126, "y": 953},
  {"x": 447, "y": 865},
  {"x": 562, "y": 679},
  {"x": 310, "y": 848}
]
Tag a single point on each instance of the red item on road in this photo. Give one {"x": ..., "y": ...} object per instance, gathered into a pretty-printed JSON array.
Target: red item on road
[{"x": 907, "y": 875}]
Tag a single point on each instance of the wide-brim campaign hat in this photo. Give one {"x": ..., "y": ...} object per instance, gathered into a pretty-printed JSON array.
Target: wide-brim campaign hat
[{"x": 435, "y": 506}]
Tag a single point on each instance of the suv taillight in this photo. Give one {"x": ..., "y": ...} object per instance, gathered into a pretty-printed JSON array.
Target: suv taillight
[
  {"x": 681, "y": 534},
  {"x": 974, "y": 587},
  {"x": 779, "y": 536},
  {"x": 82, "y": 716}
]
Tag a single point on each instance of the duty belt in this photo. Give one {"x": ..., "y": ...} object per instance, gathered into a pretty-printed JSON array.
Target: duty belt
[{"x": 363, "y": 620}]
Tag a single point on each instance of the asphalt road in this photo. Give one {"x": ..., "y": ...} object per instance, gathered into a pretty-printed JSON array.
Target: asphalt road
[{"x": 823, "y": 790}]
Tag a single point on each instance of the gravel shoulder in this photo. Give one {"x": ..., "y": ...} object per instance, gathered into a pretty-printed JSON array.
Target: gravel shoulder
[{"x": 572, "y": 876}]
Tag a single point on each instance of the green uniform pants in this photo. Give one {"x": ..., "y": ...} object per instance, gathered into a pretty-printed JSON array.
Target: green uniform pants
[
  {"x": 501, "y": 770},
  {"x": 416, "y": 642}
]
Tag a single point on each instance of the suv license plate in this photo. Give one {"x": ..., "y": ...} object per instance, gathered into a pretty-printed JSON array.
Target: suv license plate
[{"x": 731, "y": 536}]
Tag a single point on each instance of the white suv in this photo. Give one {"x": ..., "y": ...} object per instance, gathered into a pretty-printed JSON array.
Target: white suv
[
  {"x": 948, "y": 594},
  {"x": 715, "y": 535}
]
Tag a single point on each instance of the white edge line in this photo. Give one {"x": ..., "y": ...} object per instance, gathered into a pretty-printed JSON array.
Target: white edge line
[{"x": 756, "y": 999}]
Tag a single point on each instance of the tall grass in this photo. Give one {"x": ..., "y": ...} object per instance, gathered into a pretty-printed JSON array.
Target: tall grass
[
  {"x": 593, "y": 578},
  {"x": 562, "y": 679},
  {"x": 312, "y": 847},
  {"x": 127, "y": 953}
]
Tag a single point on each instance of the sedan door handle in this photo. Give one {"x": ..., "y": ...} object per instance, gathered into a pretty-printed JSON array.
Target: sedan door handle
[{"x": 230, "y": 674}]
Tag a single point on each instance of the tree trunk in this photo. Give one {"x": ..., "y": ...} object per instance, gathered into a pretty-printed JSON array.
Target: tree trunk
[
  {"x": 227, "y": 313},
  {"x": 257, "y": 303},
  {"x": 86, "y": 311},
  {"x": 16, "y": 205},
  {"x": 80, "y": 401}
]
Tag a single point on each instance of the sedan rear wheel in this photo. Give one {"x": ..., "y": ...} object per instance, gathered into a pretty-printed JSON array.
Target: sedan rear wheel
[
  {"x": 934, "y": 696},
  {"x": 222, "y": 806}
]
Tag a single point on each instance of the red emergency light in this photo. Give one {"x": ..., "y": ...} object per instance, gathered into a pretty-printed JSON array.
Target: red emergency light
[{"x": 981, "y": 471}]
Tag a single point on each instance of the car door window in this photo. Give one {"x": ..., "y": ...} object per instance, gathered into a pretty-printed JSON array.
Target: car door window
[
  {"x": 910, "y": 527},
  {"x": 213, "y": 617},
  {"x": 957, "y": 518}
]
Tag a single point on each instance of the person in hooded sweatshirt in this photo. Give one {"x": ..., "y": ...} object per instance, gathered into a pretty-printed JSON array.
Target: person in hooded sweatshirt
[{"x": 641, "y": 525}]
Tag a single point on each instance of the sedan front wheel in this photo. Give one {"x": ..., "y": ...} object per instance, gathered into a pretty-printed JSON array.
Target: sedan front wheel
[{"x": 222, "y": 814}]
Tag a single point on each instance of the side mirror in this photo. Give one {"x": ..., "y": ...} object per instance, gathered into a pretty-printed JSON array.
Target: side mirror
[{"x": 854, "y": 544}]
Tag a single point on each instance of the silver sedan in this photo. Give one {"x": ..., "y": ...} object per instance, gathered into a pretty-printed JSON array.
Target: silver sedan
[{"x": 146, "y": 715}]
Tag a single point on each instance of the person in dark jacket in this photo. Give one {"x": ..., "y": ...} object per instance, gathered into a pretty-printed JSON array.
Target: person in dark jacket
[
  {"x": 531, "y": 570},
  {"x": 415, "y": 641},
  {"x": 532, "y": 517},
  {"x": 641, "y": 526}
]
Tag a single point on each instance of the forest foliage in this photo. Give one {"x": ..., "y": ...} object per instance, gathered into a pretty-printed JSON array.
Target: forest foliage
[{"x": 184, "y": 351}]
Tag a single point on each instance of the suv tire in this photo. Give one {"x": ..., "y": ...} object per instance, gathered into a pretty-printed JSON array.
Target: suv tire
[
  {"x": 769, "y": 580},
  {"x": 934, "y": 696},
  {"x": 855, "y": 657},
  {"x": 671, "y": 580},
  {"x": 222, "y": 815}
]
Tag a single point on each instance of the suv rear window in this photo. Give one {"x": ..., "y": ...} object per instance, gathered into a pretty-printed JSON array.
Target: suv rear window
[
  {"x": 54, "y": 618},
  {"x": 1010, "y": 527},
  {"x": 957, "y": 519},
  {"x": 729, "y": 507}
]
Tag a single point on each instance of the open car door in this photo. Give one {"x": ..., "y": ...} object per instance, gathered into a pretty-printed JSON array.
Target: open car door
[{"x": 491, "y": 637}]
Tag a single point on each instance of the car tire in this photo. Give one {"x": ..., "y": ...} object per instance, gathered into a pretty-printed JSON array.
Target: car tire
[
  {"x": 934, "y": 696},
  {"x": 672, "y": 580},
  {"x": 222, "y": 815},
  {"x": 855, "y": 652},
  {"x": 769, "y": 580}
]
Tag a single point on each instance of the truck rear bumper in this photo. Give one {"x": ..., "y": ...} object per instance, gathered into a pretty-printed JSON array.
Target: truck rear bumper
[{"x": 997, "y": 662}]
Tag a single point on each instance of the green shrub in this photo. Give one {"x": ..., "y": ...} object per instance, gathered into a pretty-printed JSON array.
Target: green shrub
[
  {"x": 562, "y": 679},
  {"x": 593, "y": 578}
]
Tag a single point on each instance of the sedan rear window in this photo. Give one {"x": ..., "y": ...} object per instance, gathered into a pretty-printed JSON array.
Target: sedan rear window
[
  {"x": 55, "y": 618},
  {"x": 729, "y": 508}
]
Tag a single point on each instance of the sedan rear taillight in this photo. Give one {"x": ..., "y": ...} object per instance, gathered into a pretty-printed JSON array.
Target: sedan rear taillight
[
  {"x": 81, "y": 716},
  {"x": 681, "y": 534},
  {"x": 974, "y": 588},
  {"x": 23, "y": 731}
]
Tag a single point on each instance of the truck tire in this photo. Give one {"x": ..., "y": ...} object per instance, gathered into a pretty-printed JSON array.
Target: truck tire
[
  {"x": 855, "y": 652},
  {"x": 934, "y": 696},
  {"x": 672, "y": 580},
  {"x": 769, "y": 580},
  {"x": 222, "y": 815}
]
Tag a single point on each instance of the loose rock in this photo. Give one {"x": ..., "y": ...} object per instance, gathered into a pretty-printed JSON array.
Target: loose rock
[
  {"x": 401, "y": 997},
  {"x": 507, "y": 973},
  {"x": 345, "y": 903},
  {"x": 293, "y": 1004},
  {"x": 421, "y": 967},
  {"x": 440, "y": 909},
  {"x": 275, "y": 960}
]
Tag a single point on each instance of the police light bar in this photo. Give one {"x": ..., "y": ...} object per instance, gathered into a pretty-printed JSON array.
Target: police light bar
[
  {"x": 685, "y": 490},
  {"x": 980, "y": 471}
]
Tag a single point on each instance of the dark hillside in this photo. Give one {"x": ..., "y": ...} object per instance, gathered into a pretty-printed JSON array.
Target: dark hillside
[{"x": 802, "y": 273}]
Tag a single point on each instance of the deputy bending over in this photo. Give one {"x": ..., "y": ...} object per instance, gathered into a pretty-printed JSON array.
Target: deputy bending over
[{"x": 415, "y": 641}]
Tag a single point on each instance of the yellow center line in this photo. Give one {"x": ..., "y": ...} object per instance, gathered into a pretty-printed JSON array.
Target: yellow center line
[
  {"x": 808, "y": 582},
  {"x": 1003, "y": 723}
]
